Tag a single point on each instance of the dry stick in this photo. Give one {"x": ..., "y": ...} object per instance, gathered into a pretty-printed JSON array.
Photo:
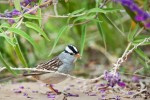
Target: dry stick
[
  {"x": 65, "y": 16},
  {"x": 55, "y": 2},
  {"x": 4, "y": 2},
  {"x": 124, "y": 56},
  {"x": 42, "y": 70},
  {"x": 127, "y": 52}
]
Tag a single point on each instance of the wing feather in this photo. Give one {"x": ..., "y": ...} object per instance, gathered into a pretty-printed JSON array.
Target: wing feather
[{"x": 51, "y": 65}]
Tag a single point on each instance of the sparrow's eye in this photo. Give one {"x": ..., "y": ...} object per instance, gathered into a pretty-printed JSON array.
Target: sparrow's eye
[{"x": 71, "y": 53}]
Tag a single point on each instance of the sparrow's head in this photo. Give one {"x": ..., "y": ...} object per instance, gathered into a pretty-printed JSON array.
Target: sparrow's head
[{"x": 72, "y": 50}]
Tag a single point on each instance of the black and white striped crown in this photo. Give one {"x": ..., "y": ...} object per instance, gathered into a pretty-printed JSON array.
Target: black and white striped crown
[{"x": 72, "y": 50}]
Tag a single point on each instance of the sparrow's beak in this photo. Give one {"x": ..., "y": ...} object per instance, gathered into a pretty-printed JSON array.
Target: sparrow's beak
[{"x": 78, "y": 56}]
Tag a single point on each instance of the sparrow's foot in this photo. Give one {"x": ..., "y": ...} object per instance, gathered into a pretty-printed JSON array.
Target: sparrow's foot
[{"x": 53, "y": 90}]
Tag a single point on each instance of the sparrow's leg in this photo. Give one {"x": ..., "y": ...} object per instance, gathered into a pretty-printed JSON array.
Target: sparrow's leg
[{"x": 53, "y": 90}]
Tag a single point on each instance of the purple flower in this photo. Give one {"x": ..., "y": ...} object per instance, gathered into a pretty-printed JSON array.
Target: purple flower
[
  {"x": 25, "y": 94},
  {"x": 11, "y": 21},
  {"x": 33, "y": 12},
  {"x": 21, "y": 87},
  {"x": 51, "y": 95},
  {"x": 102, "y": 91},
  {"x": 8, "y": 15},
  {"x": 147, "y": 25},
  {"x": 141, "y": 17},
  {"x": 135, "y": 79},
  {"x": 26, "y": 2},
  {"x": 121, "y": 84},
  {"x": 127, "y": 2},
  {"x": 103, "y": 97},
  {"x": 117, "y": 98},
  {"x": 15, "y": 12},
  {"x": 72, "y": 95},
  {"x": 112, "y": 78},
  {"x": 140, "y": 14},
  {"x": 130, "y": 93}
]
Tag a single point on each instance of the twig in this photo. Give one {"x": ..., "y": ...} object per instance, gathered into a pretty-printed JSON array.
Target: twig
[
  {"x": 138, "y": 93},
  {"x": 4, "y": 2},
  {"x": 127, "y": 52},
  {"x": 134, "y": 75},
  {"x": 65, "y": 16},
  {"x": 55, "y": 2},
  {"x": 10, "y": 18},
  {"x": 49, "y": 71},
  {"x": 3, "y": 68}
]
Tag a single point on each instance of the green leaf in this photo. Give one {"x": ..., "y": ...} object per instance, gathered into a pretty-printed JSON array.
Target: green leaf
[
  {"x": 19, "y": 52},
  {"x": 141, "y": 54},
  {"x": 77, "y": 11},
  {"x": 102, "y": 34},
  {"x": 1, "y": 30},
  {"x": 83, "y": 18},
  {"x": 40, "y": 1},
  {"x": 141, "y": 38},
  {"x": 146, "y": 66},
  {"x": 131, "y": 35},
  {"x": 111, "y": 23},
  {"x": 58, "y": 36},
  {"x": 86, "y": 18},
  {"x": 39, "y": 14},
  {"x": 17, "y": 4},
  {"x": 29, "y": 16},
  {"x": 37, "y": 28},
  {"x": 7, "y": 39},
  {"x": 146, "y": 4},
  {"x": 5, "y": 25},
  {"x": 73, "y": 13},
  {"x": 104, "y": 10},
  {"x": 6, "y": 65},
  {"x": 83, "y": 37},
  {"x": 24, "y": 35}
]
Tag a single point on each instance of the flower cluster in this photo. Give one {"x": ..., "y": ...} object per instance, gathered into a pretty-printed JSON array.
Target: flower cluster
[
  {"x": 141, "y": 16},
  {"x": 10, "y": 15},
  {"x": 25, "y": 5},
  {"x": 27, "y": 2},
  {"x": 113, "y": 79}
]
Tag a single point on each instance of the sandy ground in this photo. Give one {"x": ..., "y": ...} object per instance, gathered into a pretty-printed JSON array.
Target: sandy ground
[{"x": 37, "y": 91}]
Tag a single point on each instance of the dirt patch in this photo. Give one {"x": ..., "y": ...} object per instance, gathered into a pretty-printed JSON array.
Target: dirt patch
[{"x": 78, "y": 91}]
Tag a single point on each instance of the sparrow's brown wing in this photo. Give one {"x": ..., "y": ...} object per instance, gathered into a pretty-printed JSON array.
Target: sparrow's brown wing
[{"x": 51, "y": 65}]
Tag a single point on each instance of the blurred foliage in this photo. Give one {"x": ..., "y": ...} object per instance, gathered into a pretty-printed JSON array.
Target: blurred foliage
[{"x": 101, "y": 39}]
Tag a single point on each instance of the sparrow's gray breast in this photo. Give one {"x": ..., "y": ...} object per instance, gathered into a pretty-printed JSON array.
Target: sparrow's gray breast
[{"x": 68, "y": 63}]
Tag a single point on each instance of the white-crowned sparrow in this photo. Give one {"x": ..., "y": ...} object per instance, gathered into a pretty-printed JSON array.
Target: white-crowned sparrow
[{"x": 63, "y": 63}]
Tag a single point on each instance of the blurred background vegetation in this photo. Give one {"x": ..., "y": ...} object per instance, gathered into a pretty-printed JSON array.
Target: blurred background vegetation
[{"x": 101, "y": 40}]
